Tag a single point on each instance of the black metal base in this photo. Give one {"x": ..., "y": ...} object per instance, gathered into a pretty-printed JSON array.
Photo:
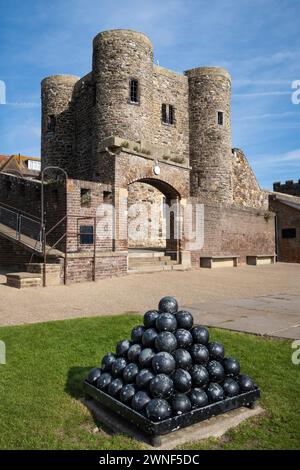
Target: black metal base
[{"x": 171, "y": 424}]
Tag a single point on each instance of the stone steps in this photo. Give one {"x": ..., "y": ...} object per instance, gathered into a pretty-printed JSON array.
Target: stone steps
[
  {"x": 23, "y": 279},
  {"x": 33, "y": 277}
]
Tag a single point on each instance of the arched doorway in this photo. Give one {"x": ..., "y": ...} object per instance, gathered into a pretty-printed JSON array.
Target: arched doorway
[{"x": 154, "y": 228}]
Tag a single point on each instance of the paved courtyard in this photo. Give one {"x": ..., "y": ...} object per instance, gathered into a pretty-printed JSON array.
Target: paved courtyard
[{"x": 263, "y": 299}]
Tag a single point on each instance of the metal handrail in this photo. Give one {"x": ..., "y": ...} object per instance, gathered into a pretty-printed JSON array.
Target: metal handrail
[{"x": 15, "y": 209}]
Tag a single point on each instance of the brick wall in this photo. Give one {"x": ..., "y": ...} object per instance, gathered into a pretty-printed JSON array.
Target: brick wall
[
  {"x": 236, "y": 232},
  {"x": 288, "y": 249},
  {"x": 81, "y": 268}
]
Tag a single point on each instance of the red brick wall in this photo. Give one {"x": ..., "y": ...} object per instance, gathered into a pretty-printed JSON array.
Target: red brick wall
[
  {"x": 287, "y": 217},
  {"x": 80, "y": 269},
  {"x": 233, "y": 231}
]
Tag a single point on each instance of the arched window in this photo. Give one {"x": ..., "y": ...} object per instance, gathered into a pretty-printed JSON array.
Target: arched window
[{"x": 134, "y": 91}]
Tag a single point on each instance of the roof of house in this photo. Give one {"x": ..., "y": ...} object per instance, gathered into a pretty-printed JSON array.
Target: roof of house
[
  {"x": 287, "y": 199},
  {"x": 18, "y": 164}
]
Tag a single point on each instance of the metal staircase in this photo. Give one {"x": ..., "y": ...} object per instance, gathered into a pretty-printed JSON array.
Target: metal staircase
[{"x": 21, "y": 227}]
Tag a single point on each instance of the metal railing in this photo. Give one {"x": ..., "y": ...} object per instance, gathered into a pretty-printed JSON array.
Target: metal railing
[{"x": 21, "y": 227}]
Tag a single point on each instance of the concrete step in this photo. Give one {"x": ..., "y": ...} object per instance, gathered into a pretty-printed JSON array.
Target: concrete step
[{"x": 23, "y": 279}]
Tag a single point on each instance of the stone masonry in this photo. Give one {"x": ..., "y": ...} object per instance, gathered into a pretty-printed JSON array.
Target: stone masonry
[{"x": 131, "y": 131}]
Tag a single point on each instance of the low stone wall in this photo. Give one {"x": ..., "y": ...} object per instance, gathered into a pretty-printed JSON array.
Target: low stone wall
[
  {"x": 233, "y": 231},
  {"x": 80, "y": 266}
]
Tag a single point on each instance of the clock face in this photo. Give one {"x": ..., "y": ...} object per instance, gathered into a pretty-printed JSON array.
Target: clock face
[{"x": 156, "y": 170}]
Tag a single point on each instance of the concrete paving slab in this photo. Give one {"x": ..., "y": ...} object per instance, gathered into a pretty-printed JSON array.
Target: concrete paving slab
[{"x": 110, "y": 423}]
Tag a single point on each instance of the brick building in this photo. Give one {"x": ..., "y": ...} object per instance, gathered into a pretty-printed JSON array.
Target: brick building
[
  {"x": 127, "y": 133},
  {"x": 287, "y": 210}
]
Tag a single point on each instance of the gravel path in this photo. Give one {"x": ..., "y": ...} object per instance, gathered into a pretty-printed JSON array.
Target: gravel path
[{"x": 262, "y": 299}]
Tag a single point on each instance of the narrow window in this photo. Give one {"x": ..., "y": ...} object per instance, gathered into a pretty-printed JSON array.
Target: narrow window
[
  {"x": 107, "y": 197},
  {"x": 134, "y": 90},
  {"x": 85, "y": 197},
  {"x": 51, "y": 123},
  {"x": 220, "y": 118},
  {"x": 86, "y": 234},
  {"x": 288, "y": 233},
  {"x": 168, "y": 114}
]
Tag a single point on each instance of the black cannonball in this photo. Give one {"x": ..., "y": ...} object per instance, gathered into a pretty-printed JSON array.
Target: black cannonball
[
  {"x": 216, "y": 351},
  {"x": 215, "y": 371},
  {"x": 127, "y": 393},
  {"x": 215, "y": 392},
  {"x": 163, "y": 363},
  {"x": 118, "y": 366},
  {"x": 161, "y": 386},
  {"x": 231, "y": 387},
  {"x": 166, "y": 322},
  {"x": 140, "y": 400},
  {"x": 165, "y": 341},
  {"x": 94, "y": 375},
  {"x": 200, "y": 334},
  {"x": 122, "y": 347},
  {"x": 104, "y": 381},
  {"x": 158, "y": 410},
  {"x": 246, "y": 383},
  {"x": 143, "y": 378},
  {"x": 130, "y": 372},
  {"x": 184, "y": 319},
  {"x": 168, "y": 304},
  {"x": 145, "y": 358},
  {"x": 182, "y": 380},
  {"x": 107, "y": 362},
  {"x": 115, "y": 387},
  {"x": 198, "y": 398},
  {"x": 137, "y": 333},
  {"x": 183, "y": 359},
  {"x": 200, "y": 354},
  {"x": 134, "y": 352},
  {"x": 199, "y": 376},
  {"x": 148, "y": 337},
  {"x": 180, "y": 404},
  {"x": 231, "y": 366},
  {"x": 150, "y": 318},
  {"x": 184, "y": 338}
]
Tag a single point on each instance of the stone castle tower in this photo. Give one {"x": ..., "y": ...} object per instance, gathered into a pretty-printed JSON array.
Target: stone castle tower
[{"x": 186, "y": 116}]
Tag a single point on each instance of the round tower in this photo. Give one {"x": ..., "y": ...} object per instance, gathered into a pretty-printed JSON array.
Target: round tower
[
  {"x": 57, "y": 120},
  {"x": 210, "y": 134},
  {"x": 122, "y": 72}
]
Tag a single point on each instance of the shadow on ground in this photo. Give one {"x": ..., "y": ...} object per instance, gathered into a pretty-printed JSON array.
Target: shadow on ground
[{"x": 74, "y": 387}]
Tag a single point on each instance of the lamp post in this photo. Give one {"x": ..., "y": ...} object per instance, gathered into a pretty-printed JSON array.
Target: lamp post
[{"x": 44, "y": 170}]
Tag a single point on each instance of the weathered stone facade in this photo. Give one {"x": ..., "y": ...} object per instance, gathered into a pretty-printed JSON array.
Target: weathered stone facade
[
  {"x": 168, "y": 139},
  {"x": 246, "y": 190}
]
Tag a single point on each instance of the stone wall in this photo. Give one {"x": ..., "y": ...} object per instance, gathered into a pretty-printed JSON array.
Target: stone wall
[
  {"x": 246, "y": 190},
  {"x": 289, "y": 187},
  {"x": 237, "y": 232},
  {"x": 146, "y": 222},
  {"x": 210, "y": 142},
  {"x": 171, "y": 88}
]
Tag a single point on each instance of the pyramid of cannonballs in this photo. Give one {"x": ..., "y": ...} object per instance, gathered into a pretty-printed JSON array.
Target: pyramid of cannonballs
[{"x": 169, "y": 366}]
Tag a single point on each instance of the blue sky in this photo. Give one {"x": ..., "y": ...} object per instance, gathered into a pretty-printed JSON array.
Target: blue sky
[{"x": 256, "y": 40}]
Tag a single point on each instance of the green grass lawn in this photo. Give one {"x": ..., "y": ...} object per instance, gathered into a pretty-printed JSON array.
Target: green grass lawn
[{"x": 41, "y": 384}]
